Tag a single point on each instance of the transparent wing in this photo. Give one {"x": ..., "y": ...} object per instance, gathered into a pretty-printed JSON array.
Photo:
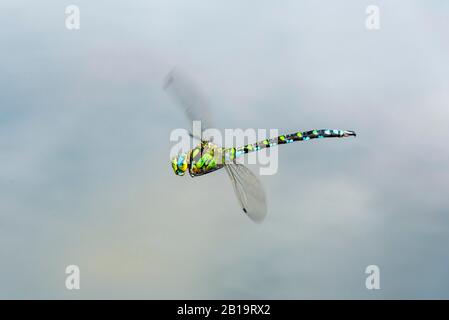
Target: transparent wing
[
  {"x": 182, "y": 89},
  {"x": 249, "y": 191}
]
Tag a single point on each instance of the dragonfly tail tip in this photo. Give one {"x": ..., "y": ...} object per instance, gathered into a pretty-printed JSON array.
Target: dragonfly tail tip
[{"x": 348, "y": 133}]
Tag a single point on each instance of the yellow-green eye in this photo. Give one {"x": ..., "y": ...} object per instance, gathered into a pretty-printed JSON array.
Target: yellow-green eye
[
  {"x": 174, "y": 165},
  {"x": 183, "y": 167}
]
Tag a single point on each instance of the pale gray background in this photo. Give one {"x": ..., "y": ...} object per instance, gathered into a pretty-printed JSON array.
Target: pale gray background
[{"x": 85, "y": 176}]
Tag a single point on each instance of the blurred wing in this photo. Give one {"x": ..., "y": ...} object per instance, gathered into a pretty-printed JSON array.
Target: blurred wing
[
  {"x": 249, "y": 191},
  {"x": 188, "y": 98}
]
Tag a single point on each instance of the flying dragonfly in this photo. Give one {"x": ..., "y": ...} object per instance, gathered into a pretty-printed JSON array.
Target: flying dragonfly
[{"x": 207, "y": 157}]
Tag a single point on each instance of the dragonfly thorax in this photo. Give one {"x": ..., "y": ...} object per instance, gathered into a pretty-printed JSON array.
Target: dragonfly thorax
[{"x": 205, "y": 158}]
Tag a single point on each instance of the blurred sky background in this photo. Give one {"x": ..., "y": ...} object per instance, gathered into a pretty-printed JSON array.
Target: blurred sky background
[{"x": 85, "y": 176}]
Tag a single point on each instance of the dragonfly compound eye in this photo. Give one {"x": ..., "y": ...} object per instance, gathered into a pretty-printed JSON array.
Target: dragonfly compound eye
[{"x": 174, "y": 165}]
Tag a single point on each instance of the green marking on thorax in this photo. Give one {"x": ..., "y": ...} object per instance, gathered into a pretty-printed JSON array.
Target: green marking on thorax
[
  {"x": 212, "y": 164},
  {"x": 206, "y": 157}
]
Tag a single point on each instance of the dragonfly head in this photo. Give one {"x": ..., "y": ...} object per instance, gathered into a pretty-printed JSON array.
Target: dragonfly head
[{"x": 179, "y": 164}]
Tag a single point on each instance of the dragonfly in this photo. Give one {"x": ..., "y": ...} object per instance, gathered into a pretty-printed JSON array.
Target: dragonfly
[{"x": 206, "y": 157}]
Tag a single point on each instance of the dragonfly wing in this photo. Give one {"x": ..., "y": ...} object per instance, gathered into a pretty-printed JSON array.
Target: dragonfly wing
[
  {"x": 189, "y": 99},
  {"x": 249, "y": 191}
]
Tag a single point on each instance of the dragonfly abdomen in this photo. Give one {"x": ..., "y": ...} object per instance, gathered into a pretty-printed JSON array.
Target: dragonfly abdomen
[{"x": 233, "y": 153}]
